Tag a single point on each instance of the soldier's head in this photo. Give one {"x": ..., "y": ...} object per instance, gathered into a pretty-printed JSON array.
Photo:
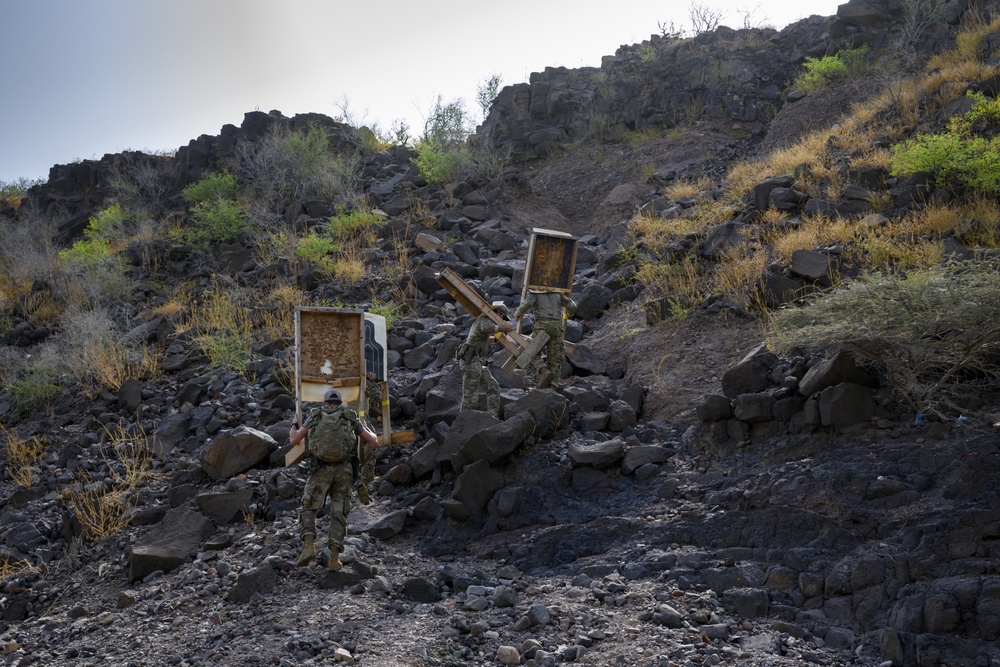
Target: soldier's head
[
  {"x": 500, "y": 307},
  {"x": 331, "y": 397}
]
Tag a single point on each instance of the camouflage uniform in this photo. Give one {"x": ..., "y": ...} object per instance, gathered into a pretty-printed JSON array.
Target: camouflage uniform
[
  {"x": 475, "y": 375},
  {"x": 328, "y": 479},
  {"x": 547, "y": 308}
]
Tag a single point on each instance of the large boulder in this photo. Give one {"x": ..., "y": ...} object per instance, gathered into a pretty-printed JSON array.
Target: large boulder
[
  {"x": 496, "y": 442},
  {"x": 839, "y": 367},
  {"x": 169, "y": 544},
  {"x": 750, "y": 374},
  {"x": 236, "y": 451}
]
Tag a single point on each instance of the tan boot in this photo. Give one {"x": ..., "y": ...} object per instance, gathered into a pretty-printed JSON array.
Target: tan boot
[
  {"x": 308, "y": 554},
  {"x": 334, "y": 562}
]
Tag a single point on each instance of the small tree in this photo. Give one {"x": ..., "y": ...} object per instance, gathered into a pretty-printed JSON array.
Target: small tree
[
  {"x": 448, "y": 125},
  {"x": 670, "y": 30},
  {"x": 443, "y": 153},
  {"x": 486, "y": 93},
  {"x": 704, "y": 18}
]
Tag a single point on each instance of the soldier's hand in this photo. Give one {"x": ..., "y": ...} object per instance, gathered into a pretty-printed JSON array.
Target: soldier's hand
[{"x": 506, "y": 327}]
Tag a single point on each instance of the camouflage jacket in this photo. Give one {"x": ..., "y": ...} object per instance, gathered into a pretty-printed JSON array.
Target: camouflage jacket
[
  {"x": 547, "y": 305},
  {"x": 478, "y": 341}
]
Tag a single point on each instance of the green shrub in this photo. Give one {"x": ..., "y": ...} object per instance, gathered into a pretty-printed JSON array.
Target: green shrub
[
  {"x": 932, "y": 334},
  {"x": 352, "y": 221},
  {"x": 110, "y": 224},
  {"x": 317, "y": 249},
  {"x": 18, "y": 188},
  {"x": 448, "y": 125},
  {"x": 958, "y": 156},
  {"x": 287, "y": 165},
  {"x": 13, "y": 192},
  {"x": 821, "y": 72},
  {"x": 390, "y": 310},
  {"x": 93, "y": 268},
  {"x": 215, "y": 221},
  {"x": 37, "y": 388},
  {"x": 443, "y": 154},
  {"x": 102, "y": 230},
  {"x": 211, "y": 188},
  {"x": 87, "y": 253},
  {"x": 440, "y": 164}
]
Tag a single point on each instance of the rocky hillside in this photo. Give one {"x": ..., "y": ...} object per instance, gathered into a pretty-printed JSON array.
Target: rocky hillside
[{"x": 687, "y": 496}]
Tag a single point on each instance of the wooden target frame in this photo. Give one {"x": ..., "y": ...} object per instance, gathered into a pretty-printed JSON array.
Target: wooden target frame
[
  {"x": 336, "y": 348},
  {"x": 551, "y": 262}
]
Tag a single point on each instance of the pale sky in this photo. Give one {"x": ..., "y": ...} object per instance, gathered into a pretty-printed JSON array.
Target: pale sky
[{"x": 89, "y": 77}]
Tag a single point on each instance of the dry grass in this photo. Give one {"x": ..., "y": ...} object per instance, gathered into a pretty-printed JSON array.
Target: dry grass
[
  {"x": 811, "y": 234},
  {"x": 13, "y": 288},
  {"x": 23, "y": 456},
  {"x": 932, "y": 219},
  {"x": 222, "y": 325},
  {"x": 657, "y": 232},
  {"x": 350, "y": 265},
  {"x": 773, "y": 216},
  {"x": 738, "y": 270},
  {"x": 278, "y": 319},
  {"x": 980, "y": 223},
  {"x": 804, "y": 157},
  {"x": 419, "y": 213},
  {"x": 686, "y": 189},
  {"x": 41, "y": 308},
  {"x": 103, "y": 508},
  {"x": 167, "y": 310},
  {"x": 14, "y": 568},
  {"x": 898, "y": 253},
  {"x": 128, "y": 456},
  {"x": 876, "y": 157},
  {"x": 679, "y": 281},
  {"x": 114, "y": 361}
]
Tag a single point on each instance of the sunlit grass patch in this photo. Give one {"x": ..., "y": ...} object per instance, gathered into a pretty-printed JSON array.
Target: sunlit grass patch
[{"x": 23, "y": 455}]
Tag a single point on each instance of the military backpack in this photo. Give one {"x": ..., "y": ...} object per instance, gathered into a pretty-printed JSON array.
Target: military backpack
[{"x": 331, "y": 434}]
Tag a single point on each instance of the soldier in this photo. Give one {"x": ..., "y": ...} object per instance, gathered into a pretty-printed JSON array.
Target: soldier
[
  {"x": 332, "y": 443},
  {"x": 551, "y": 309},
  {"x": 471, "y": 356}
]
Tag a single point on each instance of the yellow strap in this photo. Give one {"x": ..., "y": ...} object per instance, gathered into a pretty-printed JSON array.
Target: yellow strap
[{"x": 385, "y": 402}]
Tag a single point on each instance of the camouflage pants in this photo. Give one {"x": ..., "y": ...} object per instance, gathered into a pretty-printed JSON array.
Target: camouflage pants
[
  {"x": 553, "y": 347},
  {"x": 367, "y": 462},
  {"x": 334, "y": 480},
  {"x": 476, "y": 377}
]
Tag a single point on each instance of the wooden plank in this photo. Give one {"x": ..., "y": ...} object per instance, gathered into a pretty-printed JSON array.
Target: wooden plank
[
  {"x": 534, "y": 347},
  {"x": 386, "y": 426},
  {"x": 515, "y": 342},
  {"x": 401, "y": 437},
  {"x": 476, "y": 305},
  {"x": 295, "y": 454},
  {"x": 342, "y": 382}
]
